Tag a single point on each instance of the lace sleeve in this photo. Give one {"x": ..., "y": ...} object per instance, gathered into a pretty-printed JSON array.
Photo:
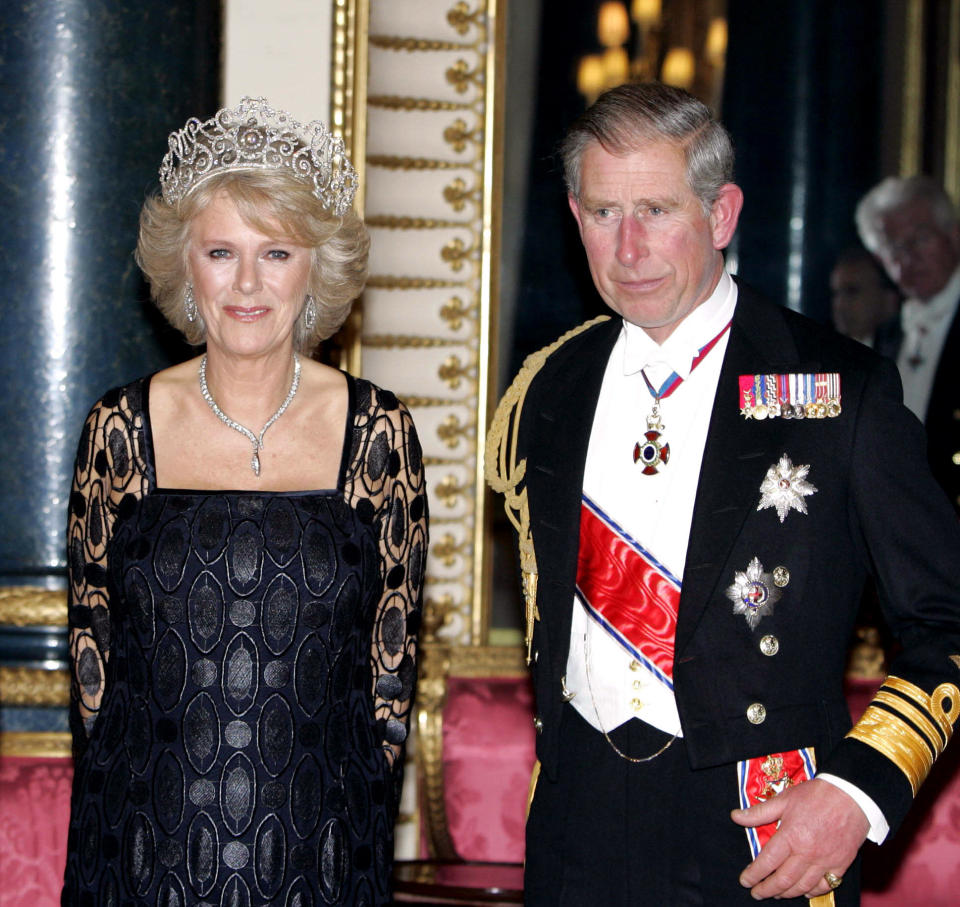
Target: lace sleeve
[
  {"x": 106, "y": 478},
  {"x": 392, "y": 475}
]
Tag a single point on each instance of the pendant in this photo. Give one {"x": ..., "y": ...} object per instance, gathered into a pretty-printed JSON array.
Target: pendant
[
  {"x": 652, "y": 452},
  {"x": 255, "y": 463}
]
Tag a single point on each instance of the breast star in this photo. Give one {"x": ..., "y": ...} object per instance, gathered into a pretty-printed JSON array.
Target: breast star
[{"x": 785, "y": 486}]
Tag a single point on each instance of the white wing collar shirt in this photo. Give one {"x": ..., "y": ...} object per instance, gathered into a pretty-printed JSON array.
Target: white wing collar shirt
[
  {"x": 609, "y": 686},
  {"x": 925, "y": 328}
]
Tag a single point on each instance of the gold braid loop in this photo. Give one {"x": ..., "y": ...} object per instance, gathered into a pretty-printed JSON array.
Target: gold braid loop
[
  {"x": 504, "y": 472},
  {"x": 909, "y": 726}
]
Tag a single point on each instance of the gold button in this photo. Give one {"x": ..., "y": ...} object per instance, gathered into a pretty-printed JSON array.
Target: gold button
[
  {"x": 634, "y": 665},
  {"x": 637, "y": 684},
  {"x": 781, "y": 576},
  {"x": 538, "y": 724},
  {"x": 769, "y": 645},
  {"x": 756, "y": 713},
  {"x": 637, "y": 704},
  {"x": 956, "y": 458}
]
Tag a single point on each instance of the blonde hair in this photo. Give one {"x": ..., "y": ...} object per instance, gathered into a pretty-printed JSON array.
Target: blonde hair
[{"x": 266, "y": 200}]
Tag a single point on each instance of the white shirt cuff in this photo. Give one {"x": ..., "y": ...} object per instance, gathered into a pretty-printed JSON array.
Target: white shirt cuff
[{"x": 879, "y": 829}]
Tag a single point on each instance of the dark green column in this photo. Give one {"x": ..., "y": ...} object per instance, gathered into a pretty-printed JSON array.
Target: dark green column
[{"x": 89, "y": 90}]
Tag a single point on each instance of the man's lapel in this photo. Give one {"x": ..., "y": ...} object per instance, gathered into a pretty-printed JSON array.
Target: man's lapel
[
  {"x": 760, "y": 343},
  {"x": 560, "y": 434},
  {"x": 943, "y": 391}
]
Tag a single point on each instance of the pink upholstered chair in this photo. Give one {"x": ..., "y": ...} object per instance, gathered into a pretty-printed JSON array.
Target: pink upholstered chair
[
  {"x": 476, "y": 752},
  {"x": 35, "y": 776},
  {"x": 36, "y": 769}
]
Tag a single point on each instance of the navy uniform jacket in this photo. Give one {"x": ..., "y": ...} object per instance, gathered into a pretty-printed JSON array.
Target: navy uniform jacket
[
  {"x": 942, "y": 418},
  {"x": 876, "y": 510}
]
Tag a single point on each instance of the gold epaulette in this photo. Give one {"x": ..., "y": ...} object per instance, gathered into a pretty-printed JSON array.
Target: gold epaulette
[
  {"x": 908, "y": 726},
  {"x": 504, "y": 472}
]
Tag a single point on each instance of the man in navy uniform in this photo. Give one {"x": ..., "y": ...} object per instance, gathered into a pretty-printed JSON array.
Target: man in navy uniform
[{"x": 701, "y": 483}]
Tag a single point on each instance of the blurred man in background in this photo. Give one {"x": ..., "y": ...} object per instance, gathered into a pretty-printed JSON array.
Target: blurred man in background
[
  {"x": 912, "y": 226},
  {"x": 863, "y": 299}
]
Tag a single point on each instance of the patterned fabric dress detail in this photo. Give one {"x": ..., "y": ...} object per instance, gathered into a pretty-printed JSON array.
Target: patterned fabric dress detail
[{"x": 244, "y": 670}]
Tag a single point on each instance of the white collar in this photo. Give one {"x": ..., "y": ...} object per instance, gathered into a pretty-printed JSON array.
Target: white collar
[
  {"x": 682, "y": 346},
  {"x": 940, "y": 306}
]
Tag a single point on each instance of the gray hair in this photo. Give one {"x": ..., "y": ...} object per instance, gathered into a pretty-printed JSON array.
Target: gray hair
[
  {"x": 894, "y": 193},
  {"x": 624, "y": 118}
]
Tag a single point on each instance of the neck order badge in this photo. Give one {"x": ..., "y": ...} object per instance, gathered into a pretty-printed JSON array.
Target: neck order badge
[{"x": 653, "y": 452}]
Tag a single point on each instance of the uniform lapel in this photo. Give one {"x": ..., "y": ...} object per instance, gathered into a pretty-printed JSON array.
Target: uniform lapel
[
  {"x": 760, "y": 343},
  {"x": 559, "y": 433}
]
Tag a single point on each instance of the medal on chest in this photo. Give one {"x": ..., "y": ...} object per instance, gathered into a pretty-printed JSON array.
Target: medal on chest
[{"x": 653, "y": 451}]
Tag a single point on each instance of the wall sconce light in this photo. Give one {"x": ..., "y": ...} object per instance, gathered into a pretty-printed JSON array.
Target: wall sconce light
[
  {"x": 679, "y": 67},
  {"x": 635, "y": 50}
]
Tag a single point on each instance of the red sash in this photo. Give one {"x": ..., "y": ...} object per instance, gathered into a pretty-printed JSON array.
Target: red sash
[
  {"x": 765, "y": 777},
  {"x": 631, "y": 595}
]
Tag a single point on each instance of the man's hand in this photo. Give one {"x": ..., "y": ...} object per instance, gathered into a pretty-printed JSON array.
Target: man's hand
[{"x": 821, "y": 830}]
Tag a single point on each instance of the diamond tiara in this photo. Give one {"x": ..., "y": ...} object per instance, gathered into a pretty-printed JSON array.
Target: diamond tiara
[{"x": 254, "y": 136}]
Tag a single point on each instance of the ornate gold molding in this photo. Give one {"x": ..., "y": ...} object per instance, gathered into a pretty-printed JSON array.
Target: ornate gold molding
[
  {"x": 448, "y": 489},
  {"x": 391, "y": 222},
  {"x": 387, "y": 282},
  {"x": 454, "y": 312},
  {"x": 34, "y": 687},
  {"x": 462, "y": 18},
  {"x": 459, "y": 134},
  {"x": 456, "y": 252},
  {"x": 393, "y": 162},
  {"x": 391, "y": 42},
  {"x": 407, "y": 342},
  {"x": 452, "y": 430},
  {"x": 457, "y": 194},
  {"x": 461, "y": 76},
  {"x": 393, "y": 102},
  {"x": 41, "y": 745},
  {"x": 458, "y": 98},
  {"x": 453, "y": 370},
  {"x": 448, "y": 549},
  {"x": 31, "y": 606},
  {"x": 348, "y": 100}
]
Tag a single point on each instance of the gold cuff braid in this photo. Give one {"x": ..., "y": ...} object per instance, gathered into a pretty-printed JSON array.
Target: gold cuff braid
[{"x": 908, "y": 726}]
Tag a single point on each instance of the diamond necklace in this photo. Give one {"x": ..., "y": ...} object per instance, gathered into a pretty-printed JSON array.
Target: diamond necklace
[{"x": 257, "y": 442}]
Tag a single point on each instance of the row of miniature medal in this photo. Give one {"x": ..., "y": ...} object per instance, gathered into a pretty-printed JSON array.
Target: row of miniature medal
[
  {"x": 795, "y": 396},
  {"x": 754, "y": 591}
]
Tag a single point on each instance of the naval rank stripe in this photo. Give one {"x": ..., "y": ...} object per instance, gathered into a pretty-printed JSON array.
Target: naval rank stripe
[{"x": 627, "y": 591}]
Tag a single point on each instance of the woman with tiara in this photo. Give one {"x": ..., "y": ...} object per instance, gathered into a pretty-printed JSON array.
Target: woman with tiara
[{"x": 247, "y": 537}]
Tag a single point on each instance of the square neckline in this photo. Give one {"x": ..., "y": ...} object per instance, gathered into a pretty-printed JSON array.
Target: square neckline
[{"x": 154, "y": 487}]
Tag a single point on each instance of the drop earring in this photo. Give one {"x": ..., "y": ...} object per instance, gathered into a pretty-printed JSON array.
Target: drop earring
[
  {"x": 189, "y": 304},
  {"x": 310, "y": 314}
]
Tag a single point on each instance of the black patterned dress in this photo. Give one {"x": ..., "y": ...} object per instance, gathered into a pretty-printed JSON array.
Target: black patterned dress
[{"x": 246, "y": 661}]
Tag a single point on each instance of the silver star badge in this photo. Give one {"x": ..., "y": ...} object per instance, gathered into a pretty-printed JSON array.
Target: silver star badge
[
  {"x": 753, "y": 593},
  {"x": 785, "y": 486}
]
